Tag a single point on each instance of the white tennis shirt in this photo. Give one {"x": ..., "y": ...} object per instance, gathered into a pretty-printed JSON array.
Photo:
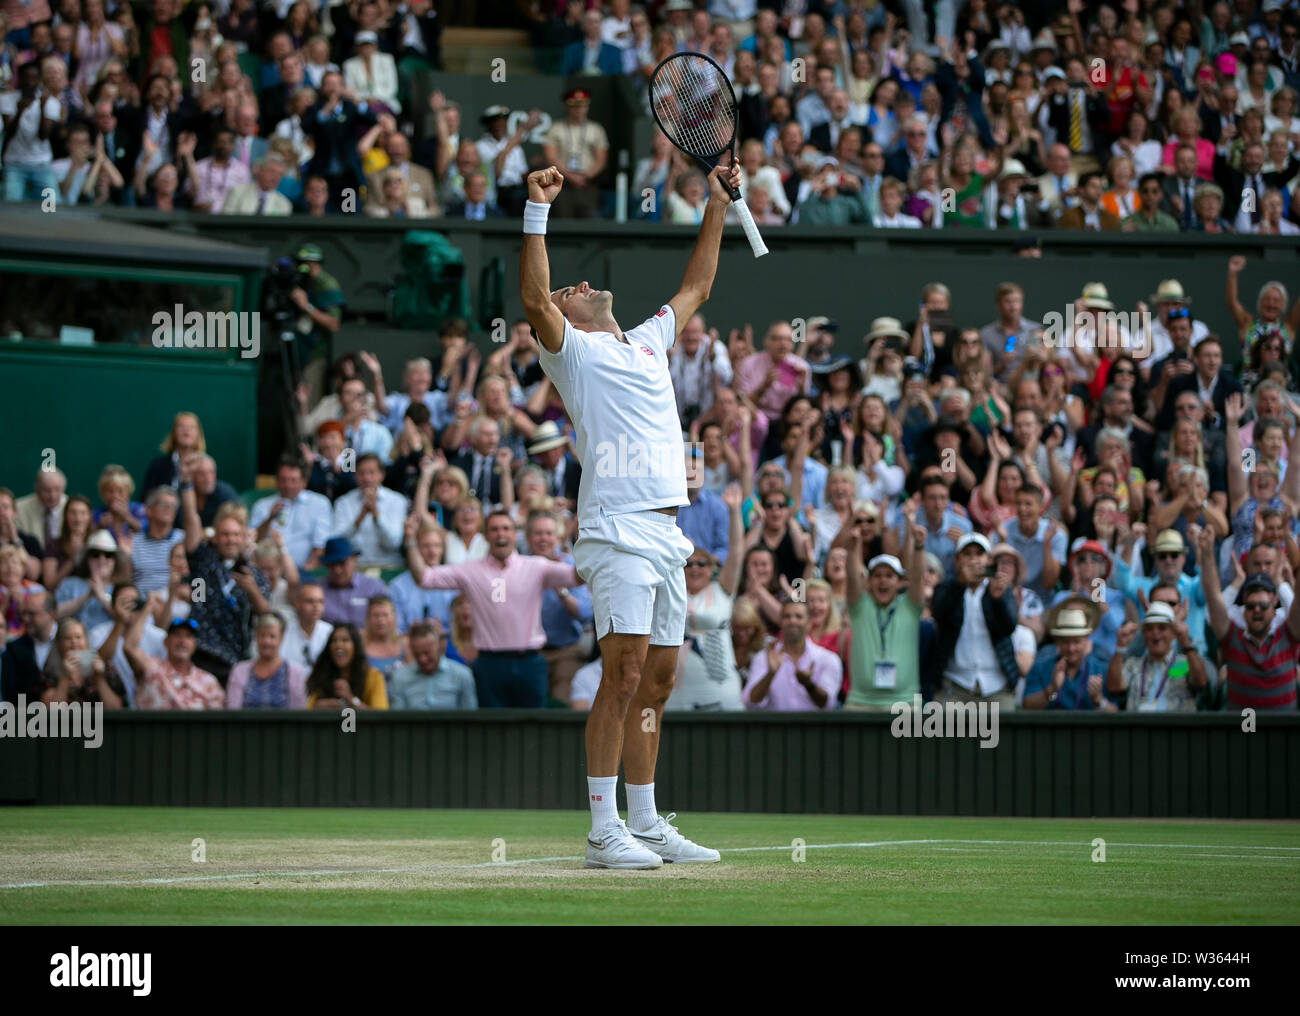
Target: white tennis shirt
[{"x": 620, "y": 399}]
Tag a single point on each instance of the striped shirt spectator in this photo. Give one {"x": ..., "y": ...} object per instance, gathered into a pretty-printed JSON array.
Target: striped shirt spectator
[
  {"x": 1260, "y": 662},
  {"x": 151, "y": 550}
]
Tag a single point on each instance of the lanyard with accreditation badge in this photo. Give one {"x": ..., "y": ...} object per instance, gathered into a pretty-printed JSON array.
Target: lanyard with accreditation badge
[{"x": 886, "y": 671}]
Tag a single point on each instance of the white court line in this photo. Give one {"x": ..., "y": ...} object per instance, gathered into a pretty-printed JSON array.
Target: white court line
[{"x": 410, "y": 869}]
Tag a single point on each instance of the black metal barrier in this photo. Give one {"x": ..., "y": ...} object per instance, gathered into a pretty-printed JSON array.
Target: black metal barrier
[{"x": 1043, "y": 764}]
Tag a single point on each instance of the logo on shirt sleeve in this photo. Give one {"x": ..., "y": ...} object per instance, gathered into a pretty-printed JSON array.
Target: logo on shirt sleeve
[{"x": 663, "y": 311}]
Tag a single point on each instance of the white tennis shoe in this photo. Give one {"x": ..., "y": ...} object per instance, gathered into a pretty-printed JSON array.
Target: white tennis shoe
[
  {"x": 614, "y": 847},
  {"x": 672, "y": 846}
]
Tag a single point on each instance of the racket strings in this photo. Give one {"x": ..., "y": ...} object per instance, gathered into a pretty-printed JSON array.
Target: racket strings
[{"x": 695, "y": 106}]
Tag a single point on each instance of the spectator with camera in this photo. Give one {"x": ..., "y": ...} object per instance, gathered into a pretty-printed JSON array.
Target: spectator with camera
[
  {"x": 974, "y": 658},
  {"x": 230, "y": 590},
  {"x": 78, "y": 674}
]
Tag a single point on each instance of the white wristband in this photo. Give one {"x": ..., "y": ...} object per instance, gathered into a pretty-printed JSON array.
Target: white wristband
[{"x": 535, "y": 215}]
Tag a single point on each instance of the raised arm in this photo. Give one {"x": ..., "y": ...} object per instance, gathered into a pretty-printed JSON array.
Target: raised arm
[
  {"x": 1215, "y": 609},
  {"x": 1234, "y": 407},
  {"x": 914, "y": 562},
  {"x": 190, "y": 520},
  {"x": 703, "y": 265},
  {"x": 729, "y": 575},
  {"x": 534, "y": 266},
  {"x": 1241, "y": 317},
  {"x": 1291, "y": 485}
]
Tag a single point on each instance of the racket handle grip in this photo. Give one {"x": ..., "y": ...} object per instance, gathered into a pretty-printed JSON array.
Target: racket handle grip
[{"x": 750, "y": 227}]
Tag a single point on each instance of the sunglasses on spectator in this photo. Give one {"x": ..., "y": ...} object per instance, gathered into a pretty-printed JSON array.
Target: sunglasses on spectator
[
  {"x": 1123, "y": 370},
  {"x": 100, "y": 553},
  {"x": 698, "y": 563},
  {"x": 1258, "y": 605},
  {"x": 1168, "y": 555},
  {"x": 1053, "y": 371},
  {"x": 770, "y": 505},
  {"x": 1179, "y": 312}
]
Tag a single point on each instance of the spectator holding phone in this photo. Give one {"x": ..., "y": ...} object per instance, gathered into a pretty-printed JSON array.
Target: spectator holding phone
[
  {"x": 233, "y": 591},
  {"x": 80, "y": 674},
  {"x": 974, "y": 656}
]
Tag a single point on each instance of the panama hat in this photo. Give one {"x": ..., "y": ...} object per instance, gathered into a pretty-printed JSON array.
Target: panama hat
[
  {"x": 1159, "y": 613},
  {"x": 1044, "y": 40},
  {"x": 1074, "y": 617},
  {"x": 1071, "y": 624},
  {"x": 1097, "y": 297},
  {"x": 1170, "y": 541},
  {"x": 996, "y": 46},
  {"x": 1170, "y": 291},
  {"x": 887, "y": 326},
  {"x": 1012, "y": 167},
  {"x": 546, "y": 437},
  {"x": 102, "y": 540},
  {"x": 492, "y": 112}
]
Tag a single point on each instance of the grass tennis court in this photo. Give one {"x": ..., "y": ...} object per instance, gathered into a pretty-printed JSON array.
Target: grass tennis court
[{"x": 135, "y": 866}]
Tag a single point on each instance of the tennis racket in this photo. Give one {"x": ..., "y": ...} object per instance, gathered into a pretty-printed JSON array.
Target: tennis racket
[{"x": 695, "y": 106}]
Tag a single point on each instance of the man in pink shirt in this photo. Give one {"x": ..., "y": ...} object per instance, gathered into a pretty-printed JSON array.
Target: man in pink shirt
[
  {"x": 772, "y": 376},
  {"x": 795, "y": 674},
  {"x": 504, "y": 590},
  {"x": 173, "y": 683}
]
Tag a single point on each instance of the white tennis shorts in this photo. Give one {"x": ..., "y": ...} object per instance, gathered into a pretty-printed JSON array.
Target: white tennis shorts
[{"x": 633, "y": 566}]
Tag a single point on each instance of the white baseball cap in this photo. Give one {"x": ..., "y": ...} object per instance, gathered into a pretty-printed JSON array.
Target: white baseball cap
[
  {"x": 974, "y": 538},
  {"x": 888, "y": 560}
]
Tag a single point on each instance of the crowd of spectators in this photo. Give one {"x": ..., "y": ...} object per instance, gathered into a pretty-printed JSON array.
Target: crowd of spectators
[
  {"x": 1144, "y": 115},
  {"x": 1103, "y": 519}
]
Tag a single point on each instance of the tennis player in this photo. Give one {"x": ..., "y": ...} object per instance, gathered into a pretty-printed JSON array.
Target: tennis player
[{"x": 630, "y": 552}]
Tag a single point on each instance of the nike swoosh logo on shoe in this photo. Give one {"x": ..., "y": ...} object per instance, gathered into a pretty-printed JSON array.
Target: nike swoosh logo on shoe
[
  {"x": 661, "y": 840},
  {"x": 598, "y": 846}
]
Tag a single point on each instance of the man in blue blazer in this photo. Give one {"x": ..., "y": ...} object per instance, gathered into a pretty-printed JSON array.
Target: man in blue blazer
[{"x": 592, "y": 55}]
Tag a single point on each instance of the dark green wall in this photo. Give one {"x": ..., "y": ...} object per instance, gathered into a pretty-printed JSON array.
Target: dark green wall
[
  {"x": 850, "y": 274},
  {"x": 1044, "y": 766},
  {"x": 105, "y": 403}
]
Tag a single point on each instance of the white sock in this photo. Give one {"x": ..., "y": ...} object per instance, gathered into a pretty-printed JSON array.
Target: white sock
[
  {"x": 641, "y": 811},
  {"x": 603, "y": 791}
]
